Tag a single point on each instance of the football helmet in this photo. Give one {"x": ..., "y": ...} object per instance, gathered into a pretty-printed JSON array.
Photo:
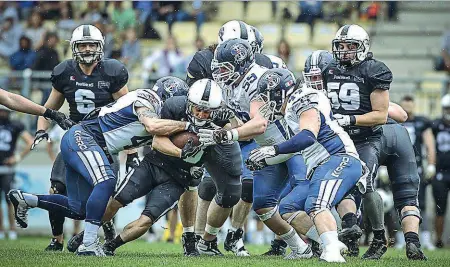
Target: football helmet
[
  {"x": 445, "y": 104},
  {"x": 169, "y": 86},
  {"x": 314, "y": 64},
  {"x": 274, "y": 87},
  {"x": 351, "y": 35},
  {"x": 87, "y": 34},
  {"x": 259, "y": 40},
  {"x": 232, "y": 59},
  {"x": 236, "y": 29},
  {"x": 204, "y": 95}
]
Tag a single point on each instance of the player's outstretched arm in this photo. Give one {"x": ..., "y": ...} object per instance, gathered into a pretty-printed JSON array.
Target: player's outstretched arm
[
  {"x": 20, "y": 103},
  {"x": 380, "y": 104},
  {"x": 55, "y": 102},
  {"x": 156, "y": 126},
  {"x": 397, "y": 113}
]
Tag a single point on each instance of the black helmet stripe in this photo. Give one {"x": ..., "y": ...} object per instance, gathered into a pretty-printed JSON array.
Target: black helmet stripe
[
  {"x": 244, "y": 33},
  {"x": 86, "y": 31},
  {"x": 207, "y": 92},
  {"x": 344, "y": 31}
]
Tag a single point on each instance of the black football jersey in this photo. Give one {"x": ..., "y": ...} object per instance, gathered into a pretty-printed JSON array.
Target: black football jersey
[
  {"x": 9, "y": 133},
  {"x": 83, "y": 92},
  {"x": 415, "y": 127},
  {"x": 200, "y": 65},
  {"x": 349, "y": 89},
  {"x": 441, "y": 133}
]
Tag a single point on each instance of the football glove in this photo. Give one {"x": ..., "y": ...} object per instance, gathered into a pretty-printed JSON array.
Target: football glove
[
  {"x": 260, "y": 154},
  {"x": 189, "y": 149},
  {"x": 213, "y": 137},
  {"x": 430, "y": 171},
  {"x": 39, "y": 136},
  {"x": 345, "y": 120},
  {"x": 255, "y": 166},
  {"x": 132, "y": 162},
  {"x": 197, "y": 172},
  {"x": 222, "y": 114},
  {"x": 60, "y": 118}
]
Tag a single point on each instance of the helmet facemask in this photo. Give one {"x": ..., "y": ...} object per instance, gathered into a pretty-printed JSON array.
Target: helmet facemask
[
  {"x": 224, "y": 73},
  {"x": 313, "y": 78},
  {"x": 90, "y": 57},
  {"x": 198, "y": 121}
]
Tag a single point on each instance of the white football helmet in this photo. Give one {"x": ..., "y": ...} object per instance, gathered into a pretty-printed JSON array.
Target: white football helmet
[
  {"x": 351, "y": 34},
  {"x": 259, "y": 40},
  {"x": 87, "y": 34},
  {"x": 204, "y": 95},
  {"x": 236, "y": 29}
]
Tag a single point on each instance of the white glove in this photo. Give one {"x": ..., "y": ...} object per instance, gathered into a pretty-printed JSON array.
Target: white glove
[
  {"x": 213, "y": 137},
  {"x": 344, "y": 120},
  {"x": 430, "y": 172},
  {"x": 383, "y": 174},
  {"x": 262, "y": 153}
]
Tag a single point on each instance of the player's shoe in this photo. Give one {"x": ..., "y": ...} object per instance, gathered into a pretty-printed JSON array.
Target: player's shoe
[
  {"x": 189, "y": 241},
  {"x": 306, "y": 254},
  {"x": 414, "y": 253},
  {"x": 108, "y": 249},
  {"x": 54, "y": 246},
  {"x": 277, "y": 248},
  {"x": 350, "y": 237},
  {"x": 12, "y": 235},
  {"x": 376, "y": 249},
  {"x": 94, "y": 249},
  {"x": 426, "y": 241},
  {"x": 75, "y": 242},
  {"x": 20, "y": 207},
  {"x": 316, "y": 249},
  {"x": 233, "y": 242},
  {"x": 109, "y": 231},
  {"x": 439, "y": 244},
  {"x": 208, "y": 247},
  {"x": 333, "y": 252}
]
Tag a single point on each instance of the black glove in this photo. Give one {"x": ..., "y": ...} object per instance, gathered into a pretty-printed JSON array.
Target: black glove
[
  {"x": 197, "y": 172},
  {"x": 255, "y": 166},
  {"x": 190, "y": 127},
  {"x": 132, "y": 162},
  {"x": 39, "y": 136},
  {"x": 222, "y": 114},
  {"x": 60, "y": 118},
  {"x": 189, "y": 149}
]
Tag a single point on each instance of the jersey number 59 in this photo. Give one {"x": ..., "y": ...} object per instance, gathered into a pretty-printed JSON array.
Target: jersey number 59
[{"x": 345, "y": 95}]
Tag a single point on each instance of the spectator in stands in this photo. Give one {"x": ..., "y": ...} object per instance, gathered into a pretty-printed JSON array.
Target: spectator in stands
[
  {"x": 143, "y": 10},
  {"x": 166, "y": 11},
  {"x": 168, "y": 61},
  {"x": 8, "y": 10},
  {"x": 25, "y": 8},
  {"x": 123, "y": 17},
  {"x": 46, "y": 59},
  {"x": 310, "y": 11},
  {"x": 66, "y": 24},
  {"x": 23, "y": 58},
  {"x": 191, "y": 11},
  {"x": 107, "y": 29},
  {"x": 444, "y": 63},
  {"x": 10, "y": 33},
  {"x": 284, "y": 52},
  {"x": 50, "y": 10},
  {"x": 131, "y": 49},
  {"x": 92, "y": 12},
  {"x": 35, "y": 30}
]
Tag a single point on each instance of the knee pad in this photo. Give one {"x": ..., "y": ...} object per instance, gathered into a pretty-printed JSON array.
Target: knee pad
[
  {"x": 415, "y": 213},
  {"x": 247, "y": 190},
  {"x": 58, "y": 188},
  {"x": 207, "y": 189},
  {"x": 405, "y": 192},
  {"x": 264, "y": 217},
  {"x": 230, "y": 197},
  {"x": 292, "y": 217}
]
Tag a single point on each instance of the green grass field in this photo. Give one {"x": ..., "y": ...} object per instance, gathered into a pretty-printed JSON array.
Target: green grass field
[{"x": 29, "y": 252}]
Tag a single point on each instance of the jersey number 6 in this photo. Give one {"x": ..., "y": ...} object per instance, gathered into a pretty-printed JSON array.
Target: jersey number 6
[{"x": 84, "y": 98}]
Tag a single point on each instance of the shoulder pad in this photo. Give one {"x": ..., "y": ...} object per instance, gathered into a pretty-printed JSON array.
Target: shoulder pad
[
  {"x": 263, "y": 61},
  {"x": 379, "y": 75},
  {"x": 303, "y": 100},
  {"x": 113, "y": 67},
  {"x": 61, "y": 67},
  {"x": 149, "y": 99}
]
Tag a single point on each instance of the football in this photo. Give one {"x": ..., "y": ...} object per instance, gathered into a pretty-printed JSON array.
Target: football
[{"x": 180, "y": 139}]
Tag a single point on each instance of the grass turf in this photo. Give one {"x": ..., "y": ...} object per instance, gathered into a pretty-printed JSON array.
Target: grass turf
[{"x": 28, "y": 251}]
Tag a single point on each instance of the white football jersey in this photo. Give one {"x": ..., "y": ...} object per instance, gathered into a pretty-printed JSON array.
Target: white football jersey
[
  {"x": 331, "y": 139},
  {"x": 120, "y": 124},
  {"x": 277, "y": 62}
]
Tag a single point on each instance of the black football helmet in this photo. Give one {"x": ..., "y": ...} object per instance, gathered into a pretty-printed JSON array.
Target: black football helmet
[{"x": 169, "y": 86}]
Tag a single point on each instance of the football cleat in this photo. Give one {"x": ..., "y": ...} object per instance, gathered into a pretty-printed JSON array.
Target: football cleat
[
  {"x": 109, "y": 231},
  {"x": 277, "y": 248},
  {"x": 333, "y": 252},
  {"x": 376, "y": 249},
  {"x": 54, "y": 246},
  {"x": 414, "y": 253},
  {"x": 233, "y": 242},
  {"x": 208, "y": 247},
  {"x": 189, "y": 241},
  {"x": 75, "y": 242},
  {"x": 306, "y": 254},
  {"x": 350, "y": 237},
  {"x": 316, "y": 249},
  {"x": 20, "y": 208},
  {"x": 94, "y": 249},
  {"x": 109, "y": 249}
]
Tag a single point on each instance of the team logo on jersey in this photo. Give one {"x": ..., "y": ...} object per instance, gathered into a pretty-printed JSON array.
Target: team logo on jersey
[
  {"x": 72, "y": 78},
  {"x": 239, "y": 51},
  {"x": 84, "y": 84},
  {"x": 358, "y": 79},
  {"x": 103, "y": 85}
]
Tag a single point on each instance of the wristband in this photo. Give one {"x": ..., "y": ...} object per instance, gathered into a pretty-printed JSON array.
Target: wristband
[
  {"x": 234, "y": 135},
  {"x": 352, "y": 120}
]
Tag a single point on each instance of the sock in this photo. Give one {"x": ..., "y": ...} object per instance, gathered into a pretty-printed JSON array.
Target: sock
[
  {"x": 348, "y": 220},
  {"x": 373, "y": 205},
  {"x": 233, "y": 228},
  {"x": 56, "y": 222},
  {"x": 329, "y": 238},
  {"x": 117, "y": 242},
  {"x": 313, "y": 234},
  {"x": 98, "y": 200},
  {"x": 379, "y": 234},
  {"x": 411, "y": 237},
  {"x": 90, "y": 233},
  {"x": 211, "y": 230},
  {"x": 58, "y": 204},
  {"x": 399, "y": 238},
  {"x": 294, "y": 241},
  {"x": 189, "y": 229},
  {"x": 31, "y": 200}
]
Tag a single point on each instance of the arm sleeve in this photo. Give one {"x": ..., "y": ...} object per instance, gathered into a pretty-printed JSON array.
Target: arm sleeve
[
  {"x": 166, "y": 112},
  {"x": 380, "y": 76},
  {"x": 300, "y": 103},
  {"x": 120, "y": 78}
]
